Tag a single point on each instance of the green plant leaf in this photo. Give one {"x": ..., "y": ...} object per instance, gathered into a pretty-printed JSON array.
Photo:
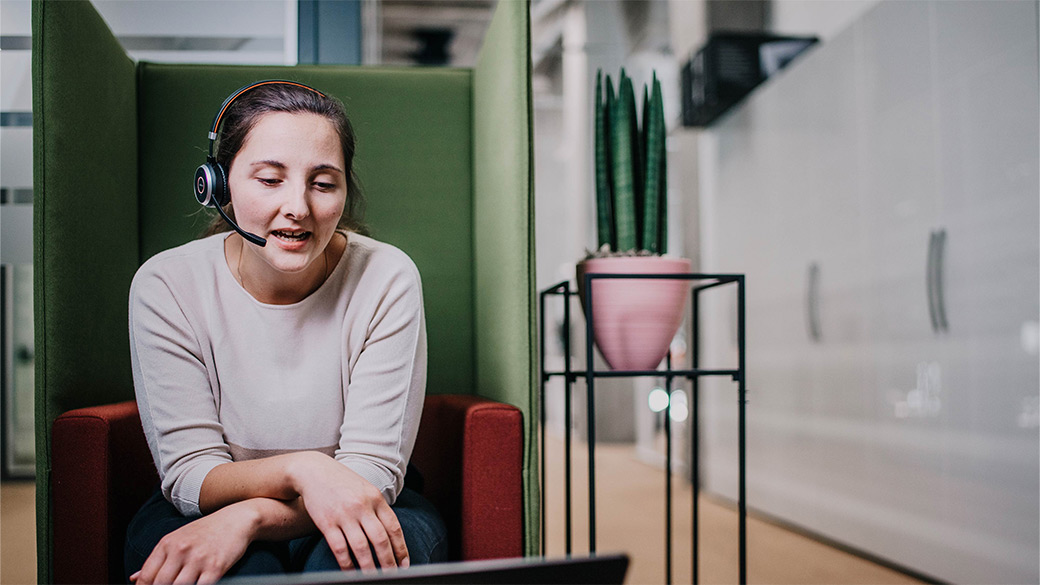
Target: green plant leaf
[
  {"x": 654, "y": 197},
  {"x": 662, "y": 222},
  {"x": 622, "y": 160},
  {"x": 608, "y": 125},
  {"x": 638, "y": 160},
  {"x": 644, "y": 206},
  {"x": 604, "y": 203}
]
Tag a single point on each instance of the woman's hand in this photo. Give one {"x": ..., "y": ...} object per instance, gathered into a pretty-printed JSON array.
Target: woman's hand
[
  {"x": 202, "y": 551},
  {"x": 349, "y": 511}
]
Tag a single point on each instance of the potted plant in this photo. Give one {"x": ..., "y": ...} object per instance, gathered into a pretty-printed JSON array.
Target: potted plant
[{"x": 634, "y": 319}]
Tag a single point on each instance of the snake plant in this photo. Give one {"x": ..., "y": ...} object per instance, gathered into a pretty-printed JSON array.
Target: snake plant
[{"x": 630, "y": 168}]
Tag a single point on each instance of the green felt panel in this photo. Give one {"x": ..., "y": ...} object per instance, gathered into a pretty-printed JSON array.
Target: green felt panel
[
  {"x": 84, "y": 225},
  {"x": 413, "y": 159},
  {"x": 504, "y": 231}
]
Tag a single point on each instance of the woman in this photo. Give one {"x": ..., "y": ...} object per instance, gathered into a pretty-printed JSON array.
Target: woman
[{"x": 280, "y": 386}]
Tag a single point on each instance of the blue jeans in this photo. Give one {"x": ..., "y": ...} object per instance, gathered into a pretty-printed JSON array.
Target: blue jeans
[{"x": 424, "y": 533}]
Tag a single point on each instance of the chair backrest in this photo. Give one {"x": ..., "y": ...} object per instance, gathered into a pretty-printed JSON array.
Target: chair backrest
[{"x": 444, "y": 158}]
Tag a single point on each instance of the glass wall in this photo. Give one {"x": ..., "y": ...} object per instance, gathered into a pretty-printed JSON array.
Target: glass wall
[{"x": 16, "y": 245}]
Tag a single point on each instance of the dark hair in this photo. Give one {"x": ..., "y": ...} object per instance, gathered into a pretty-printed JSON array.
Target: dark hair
[{"x": 244, "y": 113}]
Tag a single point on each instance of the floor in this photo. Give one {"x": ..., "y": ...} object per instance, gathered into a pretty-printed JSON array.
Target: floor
[
  {"x": 17, "y": 533},
  {"x": 630, "y": 518}
]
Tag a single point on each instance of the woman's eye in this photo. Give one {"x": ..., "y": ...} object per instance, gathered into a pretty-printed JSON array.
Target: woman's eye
[
  {"x": 268, "y": 182},
  {"x": 325, "y": 186}
]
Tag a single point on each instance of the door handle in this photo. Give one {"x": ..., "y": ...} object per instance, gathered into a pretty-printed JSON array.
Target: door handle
[
  {"x": 930, "y": 282},
  {"x": 812, "y": 302},
  {"x": 940, "y": 293}
]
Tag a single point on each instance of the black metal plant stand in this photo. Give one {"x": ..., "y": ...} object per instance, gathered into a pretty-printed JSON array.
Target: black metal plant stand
[{"x": 693, "y": 374}]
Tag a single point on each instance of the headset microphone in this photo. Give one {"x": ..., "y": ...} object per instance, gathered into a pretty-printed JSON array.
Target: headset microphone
[
  {"x": 211, "y": 190},
  {"x": 211, "y": 182}
]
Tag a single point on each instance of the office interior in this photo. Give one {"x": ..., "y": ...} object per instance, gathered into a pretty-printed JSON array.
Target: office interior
[{"x": 881, "y": 193}]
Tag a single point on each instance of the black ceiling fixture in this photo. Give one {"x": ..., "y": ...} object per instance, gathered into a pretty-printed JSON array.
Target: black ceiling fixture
[{"x": 434, "y": 45}]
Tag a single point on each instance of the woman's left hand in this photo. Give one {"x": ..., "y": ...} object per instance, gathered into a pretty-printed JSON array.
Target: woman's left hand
[
  {"x": 202, "y": 551},
  {"x": 350, "y": 513}
]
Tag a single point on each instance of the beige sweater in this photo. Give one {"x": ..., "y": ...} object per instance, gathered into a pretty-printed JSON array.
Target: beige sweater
[{"x": 222, "y": 377}]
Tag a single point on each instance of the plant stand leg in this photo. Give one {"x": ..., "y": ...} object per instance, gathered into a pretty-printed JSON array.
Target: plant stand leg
[{"x": 742, "y": 399}]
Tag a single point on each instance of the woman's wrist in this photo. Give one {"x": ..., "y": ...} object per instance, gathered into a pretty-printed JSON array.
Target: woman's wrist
[
  {"x": 271, "y": 519},
  {"x": 299, "y": 467},
  {"x": 245, "y": 516}
]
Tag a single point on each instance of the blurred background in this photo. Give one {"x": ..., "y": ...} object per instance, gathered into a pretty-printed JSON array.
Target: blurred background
[{"x": 879, "y": 188}]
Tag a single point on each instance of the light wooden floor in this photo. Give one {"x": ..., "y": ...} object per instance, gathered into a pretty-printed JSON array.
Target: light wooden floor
[
  {"x": 630, "y": 518},
  {"x": 17, "y": 533}
]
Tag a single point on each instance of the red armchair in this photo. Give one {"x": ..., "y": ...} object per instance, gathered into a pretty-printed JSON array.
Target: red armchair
[{"x": 469, "y": 451}]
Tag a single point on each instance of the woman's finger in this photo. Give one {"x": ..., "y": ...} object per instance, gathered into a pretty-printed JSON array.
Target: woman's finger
[
  {"x": 209, "y": 577},
  {"x": 380, "y": 540},
  {"x": 359, "y": 544},
  {"x": 154, "y": 562},
  {"x": 393, "y": 530},
  {"x": 338, "y": 545},
  {"x": 169, "y": 571},
  {"x": 187, "y": 576}
]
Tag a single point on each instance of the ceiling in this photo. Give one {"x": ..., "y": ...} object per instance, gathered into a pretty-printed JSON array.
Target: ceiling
[{"x": 432, "y": 32}]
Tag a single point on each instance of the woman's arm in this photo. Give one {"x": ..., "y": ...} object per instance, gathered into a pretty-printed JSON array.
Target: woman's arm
[
  {"x": 258, "y": 478},
  {"x": 384, "y": 393},
  {"x": 207, "y": 548},
  {"x": 348, "y": 510},
  {"x": 172, "y": 383}
]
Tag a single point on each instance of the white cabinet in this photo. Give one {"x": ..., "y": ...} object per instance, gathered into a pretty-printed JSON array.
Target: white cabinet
[{"x": 882, "y": 196}]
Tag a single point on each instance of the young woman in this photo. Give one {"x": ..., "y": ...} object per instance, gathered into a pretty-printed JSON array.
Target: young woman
[{"x": 280, "y": 386}]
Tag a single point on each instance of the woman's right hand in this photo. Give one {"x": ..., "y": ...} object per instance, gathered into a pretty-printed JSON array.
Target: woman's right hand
[
  {"x": 201, "y": 551},
  {"x": 349, "y": 511}
]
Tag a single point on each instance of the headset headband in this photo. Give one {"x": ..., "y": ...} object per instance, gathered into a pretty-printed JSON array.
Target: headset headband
[{"x": 242, "y": 90}]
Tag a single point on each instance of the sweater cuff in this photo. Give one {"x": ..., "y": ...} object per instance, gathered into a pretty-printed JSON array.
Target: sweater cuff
[
  {"x": 377, "y": 476},
  {"x": 185, "y": 492}
]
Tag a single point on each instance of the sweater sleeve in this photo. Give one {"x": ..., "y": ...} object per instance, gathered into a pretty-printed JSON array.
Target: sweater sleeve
[
  {"x": 174, "y": 395},
  {"x": 386, "y": 386}
]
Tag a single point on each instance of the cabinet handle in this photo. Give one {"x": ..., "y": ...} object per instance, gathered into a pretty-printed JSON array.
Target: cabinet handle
[
  {"x": 812, "y": 302},
  {"x": 940, "y": 296},
  {"x": 930, "y": 274}
]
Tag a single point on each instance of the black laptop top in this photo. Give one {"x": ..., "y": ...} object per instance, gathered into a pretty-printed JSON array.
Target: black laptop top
[{"x": 608, "y": 569}]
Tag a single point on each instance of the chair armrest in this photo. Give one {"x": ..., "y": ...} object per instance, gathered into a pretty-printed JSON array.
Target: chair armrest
[
  {"x": 470, "y": 452},
  {"x": 101, "y": 474}
]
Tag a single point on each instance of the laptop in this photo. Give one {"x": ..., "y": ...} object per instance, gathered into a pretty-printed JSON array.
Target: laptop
[{"x": 608, "y": 569}]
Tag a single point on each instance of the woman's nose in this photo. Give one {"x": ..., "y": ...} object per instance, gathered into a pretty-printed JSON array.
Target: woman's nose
[{"x": 296, "y": 205}]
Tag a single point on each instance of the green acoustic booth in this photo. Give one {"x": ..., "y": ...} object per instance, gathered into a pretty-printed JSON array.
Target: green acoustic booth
[{"x": 444, "y": 159}]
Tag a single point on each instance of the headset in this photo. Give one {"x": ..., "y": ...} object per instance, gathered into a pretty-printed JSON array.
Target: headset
[{"x": 211, "y": 182}]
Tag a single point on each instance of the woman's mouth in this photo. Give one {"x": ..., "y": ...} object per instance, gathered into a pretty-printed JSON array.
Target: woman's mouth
[{"x": 291, "y": 236}]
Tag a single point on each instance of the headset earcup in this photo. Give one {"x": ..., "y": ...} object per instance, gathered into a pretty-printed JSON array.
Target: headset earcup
[
  {"x": 221, "y": 193},
  {"x": 211, "y": 185}
]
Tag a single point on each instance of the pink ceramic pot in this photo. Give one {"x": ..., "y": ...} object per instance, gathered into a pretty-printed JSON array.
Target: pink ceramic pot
[{"x": 635, "y": 320}]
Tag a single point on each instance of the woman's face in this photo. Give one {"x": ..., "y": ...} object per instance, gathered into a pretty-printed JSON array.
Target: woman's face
[{"x": 288, "y": 185}]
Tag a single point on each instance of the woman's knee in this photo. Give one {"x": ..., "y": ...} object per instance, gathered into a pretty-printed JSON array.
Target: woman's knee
[
  {"x": 311, "y": 554},
  {"x": 424, "y": 530},
  {"x": 262, "y": 558}
]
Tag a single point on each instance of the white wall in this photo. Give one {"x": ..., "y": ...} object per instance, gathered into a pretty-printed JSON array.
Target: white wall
[
  {"x": 820, "y": 18},
  {"x": 912, "y": 442}
]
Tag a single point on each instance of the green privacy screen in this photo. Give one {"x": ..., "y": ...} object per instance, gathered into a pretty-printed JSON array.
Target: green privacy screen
[
  {"x": 503, "y": 206},
  {"x": 444, "y": 162},
  {"x": 84, "y": 223}
]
